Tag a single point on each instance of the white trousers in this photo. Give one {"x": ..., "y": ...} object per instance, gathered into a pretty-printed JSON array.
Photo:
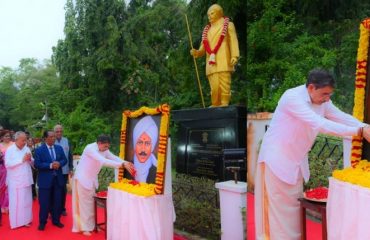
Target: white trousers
[
  {"x": 20, "y": 206},
  {"x": 277, "y": 210},
  {"x": 82, "y": 208}
]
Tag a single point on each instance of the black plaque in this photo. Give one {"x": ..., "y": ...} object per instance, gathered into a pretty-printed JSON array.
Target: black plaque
[
  {"x": 204, "y": 151},
  {"x": 203, "y": 134}
]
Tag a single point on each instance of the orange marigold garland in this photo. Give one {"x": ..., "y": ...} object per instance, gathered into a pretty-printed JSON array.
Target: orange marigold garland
[
  {"x": 360, "y": 84},
  {"x": 144, "y": 189}
]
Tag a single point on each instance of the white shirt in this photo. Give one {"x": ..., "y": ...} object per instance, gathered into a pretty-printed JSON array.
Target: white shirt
[
  {"x": 19, "y": 173},
  {"x": 293, "y": 129},
  {"x": 90, "y": 164}
]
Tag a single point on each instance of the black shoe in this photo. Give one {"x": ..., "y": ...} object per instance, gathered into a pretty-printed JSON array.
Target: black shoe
[
  {"x": 59, "y": 224},
  {"x": 41, "y": 227},
  {"x": 64, "y": 213}
]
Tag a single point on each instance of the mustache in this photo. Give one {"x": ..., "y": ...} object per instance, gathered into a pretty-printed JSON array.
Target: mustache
[{"x": 143, "y": 154}]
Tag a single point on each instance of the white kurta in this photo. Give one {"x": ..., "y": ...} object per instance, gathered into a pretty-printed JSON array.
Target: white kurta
[
  {"x": 283, "y": 161},
  {"x": 293, "y": 129},
  {"x": 19, "y": 179},
  {"x": 84, "y": 183}
]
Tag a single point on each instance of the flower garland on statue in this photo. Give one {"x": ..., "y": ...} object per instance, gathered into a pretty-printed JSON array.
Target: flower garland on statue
[
  {"x": 212, "y": 53},
  {"x": 360, "y": 84}
]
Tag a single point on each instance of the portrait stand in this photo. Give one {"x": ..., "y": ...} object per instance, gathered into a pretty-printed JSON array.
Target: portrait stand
[{"x": 137, "y": 217}]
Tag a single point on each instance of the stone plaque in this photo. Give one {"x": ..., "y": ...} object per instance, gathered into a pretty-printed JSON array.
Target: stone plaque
[
  {"x": 205, "y": 152},
  {"x": 202, "y": 134}
]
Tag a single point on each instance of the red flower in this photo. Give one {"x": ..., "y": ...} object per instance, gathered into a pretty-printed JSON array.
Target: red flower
[
  {"x": 134, "y": 182},
  {"x": 102, "y": 194},
  {"x": 318, "y": 193}
]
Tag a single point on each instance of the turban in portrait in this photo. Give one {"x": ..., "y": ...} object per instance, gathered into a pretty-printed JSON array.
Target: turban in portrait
[{"x": 147, "y": 125}]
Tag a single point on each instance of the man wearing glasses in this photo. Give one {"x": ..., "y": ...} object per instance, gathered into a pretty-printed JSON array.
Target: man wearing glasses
[{"x": 301, "y": 114}]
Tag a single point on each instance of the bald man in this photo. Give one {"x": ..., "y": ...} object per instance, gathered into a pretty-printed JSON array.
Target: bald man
[
  {"x": 220, "y": 45},
  {"x": 145, "y": 137},
  {"x": 18, "y": 162}
]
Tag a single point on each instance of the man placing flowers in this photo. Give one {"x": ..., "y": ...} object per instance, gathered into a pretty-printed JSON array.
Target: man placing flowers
[
  {"x": 85, "y": 181},
  {"x": 301, "y": 114}
]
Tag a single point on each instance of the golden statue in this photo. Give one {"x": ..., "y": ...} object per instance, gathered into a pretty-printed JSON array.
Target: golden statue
[{"x": 220, "y": 44}]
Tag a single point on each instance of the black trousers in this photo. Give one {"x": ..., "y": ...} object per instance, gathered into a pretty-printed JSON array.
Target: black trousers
[{"x": 50, "y": 201}]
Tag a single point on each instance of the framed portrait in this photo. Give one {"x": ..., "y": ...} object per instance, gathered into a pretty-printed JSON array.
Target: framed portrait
[{"x": 144, "y": 137}]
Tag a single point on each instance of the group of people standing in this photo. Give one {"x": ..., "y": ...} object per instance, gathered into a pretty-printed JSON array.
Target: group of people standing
[
  {"x": 53, "y": 161},
  {"x": 21, "y": 162}
]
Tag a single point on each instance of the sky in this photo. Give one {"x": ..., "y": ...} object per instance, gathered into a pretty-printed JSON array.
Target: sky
[{"x": 29, "y": 29}]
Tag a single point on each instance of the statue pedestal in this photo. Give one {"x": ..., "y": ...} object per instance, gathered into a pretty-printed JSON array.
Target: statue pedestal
[
  {"x": 233, "y": 197},
  {"x": 202, "y": 134}
]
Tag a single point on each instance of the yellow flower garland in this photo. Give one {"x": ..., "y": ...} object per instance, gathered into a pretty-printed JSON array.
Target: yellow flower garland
[
  {"x": 359, "y": 172},
  {"x": 359, "y": 175},
  {"x": 145, "y": 189},
  {"x": 360, "y": 84},
  {"x": 141, "y": 189}
]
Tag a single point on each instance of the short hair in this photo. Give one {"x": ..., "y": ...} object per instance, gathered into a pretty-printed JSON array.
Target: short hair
[
  {"x": 58, "y": 126},
  {"x": 103, "y": 138},
  {"x": 18, "y": 134},
  {"x": 4, "y": 132},
  {"x": 46, "y": 133},
  {"x": 320, "y": 78}
]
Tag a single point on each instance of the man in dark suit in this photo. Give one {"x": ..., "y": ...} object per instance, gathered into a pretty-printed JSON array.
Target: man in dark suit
[{"x": 49, "y": 159}]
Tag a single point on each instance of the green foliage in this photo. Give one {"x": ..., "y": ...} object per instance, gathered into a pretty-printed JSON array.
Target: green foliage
[
  {"x": 81, "y": 126},
  {"x": 7, "y": 92},
  {"x": 194, "y": 214},
  {"x": 325, "y": 156},
  {"x": 105, "y": 177},
  {"x": 115, "y": 57},
  {"x": 280, "y": 55}
]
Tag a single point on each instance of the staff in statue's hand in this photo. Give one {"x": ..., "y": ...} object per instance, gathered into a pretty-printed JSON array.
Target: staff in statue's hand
[{"x": 220, "y": 45}]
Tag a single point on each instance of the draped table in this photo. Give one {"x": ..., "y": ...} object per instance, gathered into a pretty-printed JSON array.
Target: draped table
[
  {"x": 348, "y": 211},
  {"x": 133, "y": 217}
]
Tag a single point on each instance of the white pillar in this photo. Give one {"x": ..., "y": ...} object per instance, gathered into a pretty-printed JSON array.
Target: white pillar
[{"x": 233, "y": 197}]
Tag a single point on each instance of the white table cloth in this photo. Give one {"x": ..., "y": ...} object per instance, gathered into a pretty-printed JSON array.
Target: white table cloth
[
  {"x": 348, "y": 211},
  {"x": 132, "y": 217}
]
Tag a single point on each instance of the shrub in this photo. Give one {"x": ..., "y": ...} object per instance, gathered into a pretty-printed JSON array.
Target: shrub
[
  {"x": 326, "y": 155},
  {"x": 197, "y": 206}
]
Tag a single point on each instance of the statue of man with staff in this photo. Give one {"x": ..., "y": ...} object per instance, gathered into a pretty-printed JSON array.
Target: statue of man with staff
[{"x": 220, "y": 44}]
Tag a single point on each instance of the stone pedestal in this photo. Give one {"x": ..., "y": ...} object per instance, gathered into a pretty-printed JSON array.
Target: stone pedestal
[{"x": 233, "y": 197}]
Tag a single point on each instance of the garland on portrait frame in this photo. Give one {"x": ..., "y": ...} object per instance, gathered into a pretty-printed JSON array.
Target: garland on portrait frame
[
  {"x": 360, "y": 85},
  {"x": 145, "y": 189}
]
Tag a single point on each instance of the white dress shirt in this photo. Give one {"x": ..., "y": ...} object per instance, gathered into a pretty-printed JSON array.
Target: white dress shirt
[
  {"x": 293, "y": 129},
  {"x": 19, "y": 173},
  {"x": 90, "y": 164}
]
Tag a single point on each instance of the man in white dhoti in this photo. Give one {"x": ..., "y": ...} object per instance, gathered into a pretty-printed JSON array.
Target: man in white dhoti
[
  {"x": 301, "y": 114},
  {"x": 85, "y": 181},
  {"x": 18, "y": 163},
  {"x": 145, "y": 136}
]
